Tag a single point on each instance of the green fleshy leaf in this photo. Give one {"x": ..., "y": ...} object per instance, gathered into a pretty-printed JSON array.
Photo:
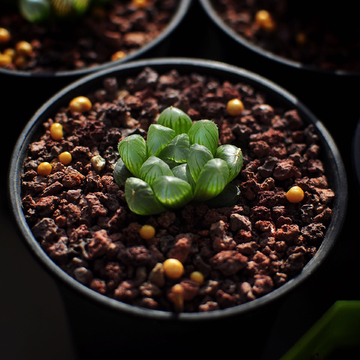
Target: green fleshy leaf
[
  {"x": 212, "y": 180},
  {"x": 81, "y": 6},
  {"x": 171, "y": 163},
  {"x": 133, "y": 151},
  {"x": 227, "y": 198},
  {"x": 182, "y": 172},
  {"x": 177, "y": 150},
  {"x": 34, "y": 10},
  {"x": 158, "y": 138},
  {"x": 205, "y": 132},
  {"x": 62, "y": 7},
  {"x": 175, "y": 119},
  {"x": 232, "y": 155},
  {"x": 141, "y": 198},
  {"x": 199, "y": 155},
  {"x": 121, "y": 172},
  {"x": 172, "y": 192},
  {"x": 152, "y": 168},
  {"x": 100, "y": 2}
]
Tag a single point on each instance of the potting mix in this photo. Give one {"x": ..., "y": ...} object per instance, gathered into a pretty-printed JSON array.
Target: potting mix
[
  {"x": 195, "y": 258},
  {"x": 108, "y": 31}
]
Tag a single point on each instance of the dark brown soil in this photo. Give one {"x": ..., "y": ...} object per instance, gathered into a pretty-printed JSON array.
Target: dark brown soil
[
  {"x": 310, "y": 32},
  {"x": 88, "y": 41},
  {"x": 80, "y": 217}
]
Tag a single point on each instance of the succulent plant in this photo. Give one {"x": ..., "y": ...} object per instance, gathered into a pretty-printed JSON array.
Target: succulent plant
[
  {"x": 180, "y": 161},
  {"x": 42, "y": 10}
]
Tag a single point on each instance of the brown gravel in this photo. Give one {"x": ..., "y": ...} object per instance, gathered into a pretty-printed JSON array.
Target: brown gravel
[{"x": 80, "y": 217}]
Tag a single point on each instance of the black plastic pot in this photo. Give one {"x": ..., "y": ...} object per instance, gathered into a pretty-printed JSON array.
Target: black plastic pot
[
  {"x": 356, "y": 155},
  {"x": 330, "y": 94},
  {"x": 103, "y": 327},
  {"x": 46, "y": 84},
  {"x": 24, "y": 92}
]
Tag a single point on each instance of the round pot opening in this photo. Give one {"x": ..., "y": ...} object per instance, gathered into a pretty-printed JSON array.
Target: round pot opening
[
  {"x": 273, "y": 55},
  {"x": 156, "y": 46},
  {"x": 274, "y": 95}
]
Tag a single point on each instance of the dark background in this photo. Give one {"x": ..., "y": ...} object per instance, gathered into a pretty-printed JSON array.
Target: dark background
[{"x": 33, "y": 322}]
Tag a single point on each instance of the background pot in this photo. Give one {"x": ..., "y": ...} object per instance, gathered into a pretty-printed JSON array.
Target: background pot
[
  {"x": 118, "y": 327},
  {"x": 330, "y": 94},
  {"x": 46, "y": 84},
  {"x": 24, "y": 92}
]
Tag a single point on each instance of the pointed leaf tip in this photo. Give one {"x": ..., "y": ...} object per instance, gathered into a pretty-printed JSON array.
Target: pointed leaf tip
[
  {"x": 172, "y": 192},
  {"x": 232, "y": 155},
  {"x": 212, "y": 180},
  {"x": 133, "y": 151},
  {"x": 205, "y": 132},
  {"x": 175, "y": 119},
  {"x": 158, "y": 138},
  {"x": 153, "y": 168},
  {"x": 141, "y": 198}
]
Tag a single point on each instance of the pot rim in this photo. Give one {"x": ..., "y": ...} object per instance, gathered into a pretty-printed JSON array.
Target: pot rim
[
  {"x": 356, "y": 155},
  {"x": 214, "y": 16},
  {"x": 188, "y": 65},
  {"x": 179, "y": 15}
]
